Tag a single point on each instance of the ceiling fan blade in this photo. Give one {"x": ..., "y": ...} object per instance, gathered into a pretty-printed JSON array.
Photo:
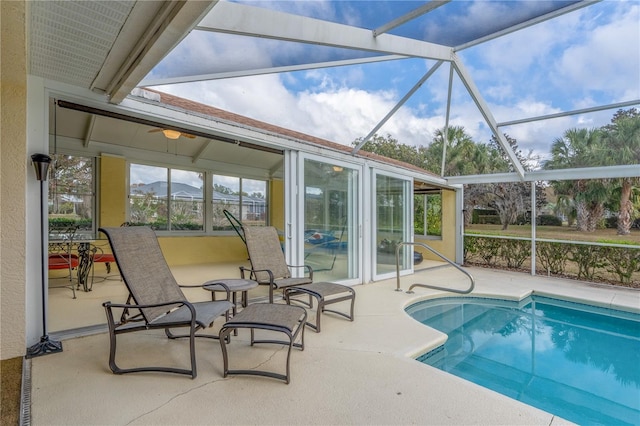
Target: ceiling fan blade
[
  {"x": 154, "y": 130},
  {"x": 188, "y": 135}
]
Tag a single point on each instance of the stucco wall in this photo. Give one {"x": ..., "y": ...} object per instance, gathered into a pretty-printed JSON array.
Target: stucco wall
[
  {"x": 112, "y": 190},
  {"x": 447, "y": 244},
  {"x": 13, "y": 172},
  {"x": 276, "y": 204}
]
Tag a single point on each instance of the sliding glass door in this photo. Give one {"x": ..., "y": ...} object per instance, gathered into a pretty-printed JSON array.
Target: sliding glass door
[
  {"x": 392, "y": 223},
  {"x": 331, "y": 221}
]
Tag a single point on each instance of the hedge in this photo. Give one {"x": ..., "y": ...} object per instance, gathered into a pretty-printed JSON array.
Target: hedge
[{"x": 582, "y": 261}]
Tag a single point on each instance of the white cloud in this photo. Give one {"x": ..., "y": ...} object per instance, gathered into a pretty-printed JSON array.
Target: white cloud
[
  {"x": 337, "y": 113},
  {"x": 607, "y": 57}
]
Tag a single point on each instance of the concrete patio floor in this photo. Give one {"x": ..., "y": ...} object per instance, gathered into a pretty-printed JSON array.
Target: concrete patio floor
[{"x": 359, "y": 372}]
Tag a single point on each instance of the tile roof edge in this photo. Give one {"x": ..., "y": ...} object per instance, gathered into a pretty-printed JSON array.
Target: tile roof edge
[{"x": 207, "y": 111}]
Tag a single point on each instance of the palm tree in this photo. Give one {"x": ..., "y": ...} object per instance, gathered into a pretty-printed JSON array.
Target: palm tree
[
  {"x": 580, "y": 148},
  {"x": 565, "y": 206},
  {"x": 622, "y": 140}
]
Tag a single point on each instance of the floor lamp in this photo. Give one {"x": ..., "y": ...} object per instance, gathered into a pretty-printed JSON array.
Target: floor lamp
[{"x": 45, "y": 345}]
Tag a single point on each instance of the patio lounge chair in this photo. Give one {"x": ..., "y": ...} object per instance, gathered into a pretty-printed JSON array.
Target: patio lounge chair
[
  {"x": 268, "y": 265},
  {"x": 155, "y": 298}
]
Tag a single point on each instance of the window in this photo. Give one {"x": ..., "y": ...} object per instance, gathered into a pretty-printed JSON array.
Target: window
[
  {"x": 245, "y": 199},
  {"x": 174, "y": 199},
  {"x": 71, "y": 201},
  {"x": 428, "y": 214},
  {"x": 166, "y": 199}
]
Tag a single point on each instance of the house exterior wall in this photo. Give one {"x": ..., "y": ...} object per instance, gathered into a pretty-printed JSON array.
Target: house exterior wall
[
  {"x": 13, "y": 174},
  {"x": 201, "y": 250},
  {"x": 447, "y": 244},
  {"x": 276, "y": 203},
  {"x": 112, "y": 190}
]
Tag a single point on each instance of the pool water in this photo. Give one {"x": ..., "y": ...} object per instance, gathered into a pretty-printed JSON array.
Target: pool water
[{"x": 576, "y": 361}]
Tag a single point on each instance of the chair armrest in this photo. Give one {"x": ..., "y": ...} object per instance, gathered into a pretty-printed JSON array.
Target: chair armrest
[
  {"x": 308, "y": 268},
  {"x": 110, "y": 305},
  {"x": 223, "y": 285},
  {"x": 252, "y": 274},
  {"x": 126, "y": 306}
]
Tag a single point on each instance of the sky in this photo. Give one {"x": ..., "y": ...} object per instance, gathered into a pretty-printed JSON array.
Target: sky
[{"x": 579, "y": 60}]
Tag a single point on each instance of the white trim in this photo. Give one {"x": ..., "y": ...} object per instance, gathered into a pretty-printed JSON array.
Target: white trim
[
  {"x": 408, "y": 223},
  {"x": 36, "y": 130}
]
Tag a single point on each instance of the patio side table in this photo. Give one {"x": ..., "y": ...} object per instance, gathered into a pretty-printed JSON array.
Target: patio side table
[{"x": 235, "y": 285}]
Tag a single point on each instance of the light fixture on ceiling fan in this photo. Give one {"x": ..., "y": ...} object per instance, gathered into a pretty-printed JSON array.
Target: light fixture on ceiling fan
[{"x": 172, "y": 134}]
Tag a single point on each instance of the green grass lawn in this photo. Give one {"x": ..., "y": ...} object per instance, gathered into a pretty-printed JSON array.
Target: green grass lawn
[{"x": 558, "y": 233}]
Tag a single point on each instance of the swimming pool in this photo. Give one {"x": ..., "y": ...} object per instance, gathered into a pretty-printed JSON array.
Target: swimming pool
[{"x": 573, "y": 360}]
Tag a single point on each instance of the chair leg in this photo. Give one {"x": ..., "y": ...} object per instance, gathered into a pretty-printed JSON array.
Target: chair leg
[
  {"x": 192, "y": 348},
  {"x": 113, "y": 332}
]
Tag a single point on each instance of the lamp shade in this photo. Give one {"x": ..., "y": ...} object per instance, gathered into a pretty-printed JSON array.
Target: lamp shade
[
  {"x": 171, "y": 134},
  {"x": 41, "y": 164}
]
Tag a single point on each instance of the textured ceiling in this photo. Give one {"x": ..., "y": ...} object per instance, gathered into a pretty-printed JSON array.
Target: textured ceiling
[{"x": 71, "y": 44}]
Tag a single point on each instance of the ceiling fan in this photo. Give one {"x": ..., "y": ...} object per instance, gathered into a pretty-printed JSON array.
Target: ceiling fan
[{"x": 172, "y": 134}]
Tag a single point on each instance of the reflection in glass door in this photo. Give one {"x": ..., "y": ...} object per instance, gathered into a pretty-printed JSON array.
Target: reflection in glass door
[
  {"x": 392, "y": 223},
  {"x": 331, "y": 221}
]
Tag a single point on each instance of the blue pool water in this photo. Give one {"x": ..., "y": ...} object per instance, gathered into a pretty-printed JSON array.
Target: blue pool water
[{"x": 576, "y": 361}]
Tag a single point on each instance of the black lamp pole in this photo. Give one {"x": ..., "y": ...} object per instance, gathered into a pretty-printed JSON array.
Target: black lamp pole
[{"x": 45, "y": 345}]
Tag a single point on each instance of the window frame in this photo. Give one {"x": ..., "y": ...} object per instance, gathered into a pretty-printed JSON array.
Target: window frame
[
  {"x": 424, "y": 198},
  {"x": 52, "y": 181},
  {"x": 208, "y": 177},
  {"x": 239, "y": 208}
]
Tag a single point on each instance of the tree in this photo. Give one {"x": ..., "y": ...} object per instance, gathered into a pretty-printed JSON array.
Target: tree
[
  {"x": 509, "y": 199},
  {"x": 581, "y": 148},
  {"x": 390, "y": 147},
  {"x": 463, "y": 157},
  {"x": 622, "y": 139}
]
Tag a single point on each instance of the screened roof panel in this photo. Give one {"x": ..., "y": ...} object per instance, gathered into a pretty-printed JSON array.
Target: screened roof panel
[
  {"x": 217, "y": 54},
  {"x": 203, "y": 53},
  {"x": 460, "y": 22},
  {"x": 452, "y": 23}
]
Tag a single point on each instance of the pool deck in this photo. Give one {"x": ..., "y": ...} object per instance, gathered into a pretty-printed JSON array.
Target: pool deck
[{"x": 359, "y": 372}]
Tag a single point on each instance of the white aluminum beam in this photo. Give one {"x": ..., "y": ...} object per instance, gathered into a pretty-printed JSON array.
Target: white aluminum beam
[
  {"x": 425, "y": 8},
  {"x": 446, "y": 121},
  {"x": 486, "y": 113},
  {"x": 490, "y": 178},
  {"x": 569, "y": 113},
  {"x": 261, "y": 71},
  {"x": 240, "y": 19},
  {"x": 608, "y": 172}
]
